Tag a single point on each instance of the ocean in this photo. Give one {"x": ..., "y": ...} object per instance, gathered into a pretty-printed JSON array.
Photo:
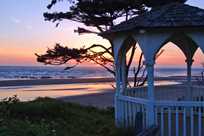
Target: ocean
[
  {"x": 37, "y": 72},
  {"x": 30, "y": 92}
]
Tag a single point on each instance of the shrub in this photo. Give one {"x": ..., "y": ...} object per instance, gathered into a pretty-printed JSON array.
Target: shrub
[{"x": 49, "y": 117}]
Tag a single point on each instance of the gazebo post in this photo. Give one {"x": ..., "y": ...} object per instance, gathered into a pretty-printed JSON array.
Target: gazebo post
[
  {"x": 118, "y": 76},
  {"x": 189, "y": 63},
  {"x": 150, "y": 109},
  {"x": 120, "y": 68},
  {"x": 116, "y": 105},
  {"x": 123, "y": 72},
  {"x": 117, "y": 93}
]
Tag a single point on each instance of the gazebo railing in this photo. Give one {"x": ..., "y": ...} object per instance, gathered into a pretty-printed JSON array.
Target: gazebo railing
[
  {"x": 132, "y": 112},
  {"x": 174, "y": 118},
  {"x": 168, "y": 92},
  {"x": 180, "y": 118},
  {"x": 139, "y": 92}
]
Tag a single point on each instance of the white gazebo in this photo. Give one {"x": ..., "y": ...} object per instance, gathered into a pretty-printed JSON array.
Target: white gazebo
[{"x": 148, "y": 106}]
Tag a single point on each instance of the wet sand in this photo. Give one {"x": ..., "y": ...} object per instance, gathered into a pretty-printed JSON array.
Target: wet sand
[
  {"x": 91, "y": 91},
  {"x": 5, "y": 83}
]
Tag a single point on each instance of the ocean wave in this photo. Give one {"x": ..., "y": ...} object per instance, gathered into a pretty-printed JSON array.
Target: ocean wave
[{"x": 27, "y": 72}]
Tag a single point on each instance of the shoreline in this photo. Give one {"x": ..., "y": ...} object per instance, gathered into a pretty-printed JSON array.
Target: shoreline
[
  {"x": 33, "y": 82},
  {"x": 28, "y": 82},
  {"x": 96, "y": 92}
]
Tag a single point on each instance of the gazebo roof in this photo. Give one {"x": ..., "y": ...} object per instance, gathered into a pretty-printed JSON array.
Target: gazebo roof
[{"x": 174, "y": 15}]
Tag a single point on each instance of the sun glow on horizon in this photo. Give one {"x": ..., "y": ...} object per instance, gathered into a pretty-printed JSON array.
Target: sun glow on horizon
[{"x": 23, "y": 34}]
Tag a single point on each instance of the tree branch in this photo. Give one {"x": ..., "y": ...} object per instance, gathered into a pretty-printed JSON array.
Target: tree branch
[
  {"x": 101, "y": 46},
  {"x": 131, "y": 57},
  {"x": 138, "y": 69}
]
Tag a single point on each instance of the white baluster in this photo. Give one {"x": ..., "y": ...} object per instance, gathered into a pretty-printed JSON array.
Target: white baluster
[
  {"x": 136, "y": 111},
  {"x": 199, "y": 122},
  {"x": 130, "y": 114},
  {"x": 143, "y": 117},
  {"x": 119, "y": 112},
  {"x": 162, "y": 122},
  {"x": 126, "y": 111},
  {"x": 177, "y": 122},
  {"x": 134, "y": 114},
  {"x": 184, "y": 121},
  {"x": 169, "y": 121},
  {"x": 192, "y": 123},
  {"x": 156, "y": 116}
]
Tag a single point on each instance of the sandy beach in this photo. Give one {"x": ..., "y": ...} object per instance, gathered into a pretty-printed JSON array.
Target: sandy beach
[
  {"x": 100, "y": 100},
  {"x": 86, "y": 91},
  {"x": 92, "y": 91}
]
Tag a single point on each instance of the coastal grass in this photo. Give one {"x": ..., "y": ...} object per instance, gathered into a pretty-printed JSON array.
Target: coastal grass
[{"x": 50, "y": 117}]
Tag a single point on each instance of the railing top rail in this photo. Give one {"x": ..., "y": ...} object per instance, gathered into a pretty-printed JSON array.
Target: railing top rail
[
  {"x": 178, "y": 86},
  {"x": 179, "y": 103},
  {"x": 133, "y": 99},
  {"x": 162, "y": 103},
  {"x": 135, "y": 88},
  {"x": 160, "y": 86}
]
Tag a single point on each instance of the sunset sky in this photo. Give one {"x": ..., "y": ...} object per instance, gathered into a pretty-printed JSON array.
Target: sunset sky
[{"x": 24, "y": 32}]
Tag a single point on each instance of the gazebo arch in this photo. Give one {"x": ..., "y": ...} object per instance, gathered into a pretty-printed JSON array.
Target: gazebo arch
[
  {"x": 152, "y": 30},
  {"x": 165, "y": 49},
  {"x": 198, "y": 38},
  {"x": 127, "y": 43},
  {"x": 184, "y": 43}
]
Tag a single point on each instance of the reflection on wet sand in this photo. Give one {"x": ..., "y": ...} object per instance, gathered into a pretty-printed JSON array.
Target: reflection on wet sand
[
  {"x": 26, "y": 93},
  {"x": 31, "y": 92}
]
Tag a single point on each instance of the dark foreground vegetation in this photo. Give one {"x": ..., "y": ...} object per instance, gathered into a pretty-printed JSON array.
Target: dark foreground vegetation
[{"x": 49, "y": 117}]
